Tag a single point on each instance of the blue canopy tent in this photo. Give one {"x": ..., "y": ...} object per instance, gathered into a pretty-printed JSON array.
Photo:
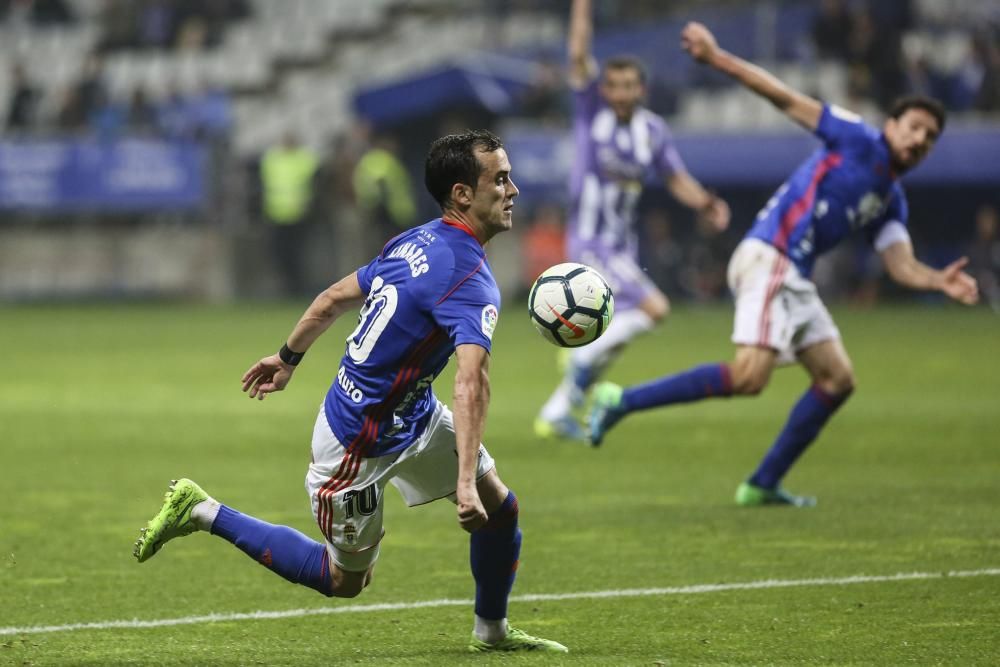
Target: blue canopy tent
[{"x": 490, "y": 81}]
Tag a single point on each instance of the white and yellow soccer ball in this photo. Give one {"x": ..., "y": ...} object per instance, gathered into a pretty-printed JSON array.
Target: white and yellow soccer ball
[{"x": 571, "y": 304}]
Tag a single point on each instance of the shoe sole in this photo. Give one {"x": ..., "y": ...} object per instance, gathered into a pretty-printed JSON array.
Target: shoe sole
[{"x": 176, "y": 503}]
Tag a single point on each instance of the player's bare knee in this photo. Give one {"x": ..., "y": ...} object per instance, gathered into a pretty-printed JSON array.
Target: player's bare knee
[
  {"x": 346, "y": 591},
  {"x": 658, "y": 308},
  {"x": 840, "y": 383},
  {"x": 748, "y": 379},
  {"x": 345, "y": 584},
  {"x": 750, "y": 385}
]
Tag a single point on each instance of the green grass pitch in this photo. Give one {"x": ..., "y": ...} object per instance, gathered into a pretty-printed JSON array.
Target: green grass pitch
[{"x": 101, "y": 406}]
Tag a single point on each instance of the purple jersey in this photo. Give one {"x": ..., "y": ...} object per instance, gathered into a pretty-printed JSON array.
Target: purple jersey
[
  {"x": 845, "y": 186},
  {"x": 613, "y": 162},
  {"x": 429, "y": 291}
]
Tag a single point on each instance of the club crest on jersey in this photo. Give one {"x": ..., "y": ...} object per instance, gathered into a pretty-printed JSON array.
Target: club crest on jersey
[{"x": 490, "y": 317}]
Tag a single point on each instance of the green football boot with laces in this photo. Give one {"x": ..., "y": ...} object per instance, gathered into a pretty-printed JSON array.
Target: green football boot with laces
[
  {"x": 749, "y": 495},
  {"x": 606, "y": 411},
  {"x": 517, "y": 640},
  {"x": 173, "y": 519}
]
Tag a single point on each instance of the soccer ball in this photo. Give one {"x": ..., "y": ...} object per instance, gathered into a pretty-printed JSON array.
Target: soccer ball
[{"x": 571, "y": 304}]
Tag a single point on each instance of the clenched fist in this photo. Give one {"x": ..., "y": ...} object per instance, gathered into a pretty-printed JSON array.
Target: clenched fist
[{"x": 699, "y": 42}]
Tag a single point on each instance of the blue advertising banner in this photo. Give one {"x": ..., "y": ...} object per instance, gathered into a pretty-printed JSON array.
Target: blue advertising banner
[{"x": 91, "y": 174}]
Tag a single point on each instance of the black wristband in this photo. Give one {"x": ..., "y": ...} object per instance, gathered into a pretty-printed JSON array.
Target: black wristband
[{"x": 289, "y": 357}]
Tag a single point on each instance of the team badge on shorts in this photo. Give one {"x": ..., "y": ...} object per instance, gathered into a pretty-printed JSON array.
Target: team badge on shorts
[
  {"x": 350, "y": 533},
  {"x": 490, "y": 317}
]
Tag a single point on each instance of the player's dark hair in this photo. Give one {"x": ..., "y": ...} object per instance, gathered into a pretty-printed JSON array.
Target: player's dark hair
[
  {"x": 452, "y": 159},
  {"x": 627, "y": 62},
  {"x": 928, "y": 104}
]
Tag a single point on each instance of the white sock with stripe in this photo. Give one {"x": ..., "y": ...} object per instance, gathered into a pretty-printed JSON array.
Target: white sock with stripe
[{"x": 203, "y": 514}]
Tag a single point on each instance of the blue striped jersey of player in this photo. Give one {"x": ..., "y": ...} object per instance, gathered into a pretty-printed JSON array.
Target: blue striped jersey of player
[
  {"x": 429, "y": 294},
  {"x": 850, "y": 184},
  {"x": 620, "y": 146}
]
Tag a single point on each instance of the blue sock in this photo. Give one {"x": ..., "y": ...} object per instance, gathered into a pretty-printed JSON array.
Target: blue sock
[
  {"x": 803, "y": 425},
  {"x": 691, "y": 385},
  {"x": 493, "y": 552},
  {"x": 279, "y": 548}
]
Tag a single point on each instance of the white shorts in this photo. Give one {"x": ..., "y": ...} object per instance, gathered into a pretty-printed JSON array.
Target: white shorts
[
  {"x": 346, "y": 490},
  {"x": 775, "y": 306}
]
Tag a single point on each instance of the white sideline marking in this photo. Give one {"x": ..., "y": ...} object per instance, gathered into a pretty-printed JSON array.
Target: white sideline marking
[{"x": 536, "y": 597}]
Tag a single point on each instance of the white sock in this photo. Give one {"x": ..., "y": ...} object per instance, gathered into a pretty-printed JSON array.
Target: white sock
[
  {"x": 596, "y": 356},
  {"x": 203, "y": 514},
  {"x": 561, "y": 401},
  {"x": 490, "y": 631}
]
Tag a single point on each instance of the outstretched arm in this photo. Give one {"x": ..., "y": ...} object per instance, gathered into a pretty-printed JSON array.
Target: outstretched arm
[
  {"x": 582, "y": 66},
  {"x": 910, "y": 272},
  {"x": 471, "y": 400},
  {"x": 271, "y": 373},
  {"x": 700, "y": 44},
  {"x": 688, "y": 191}
]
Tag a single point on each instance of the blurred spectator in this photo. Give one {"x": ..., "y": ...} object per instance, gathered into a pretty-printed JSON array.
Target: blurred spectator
[
  {"x": 50, "y": 12},
  {"x": 984, "y": 255},
  {"x": 23, "y": 100},
  {"x": 184, "y": 24},
  {"x": 174, "y": 116},
  {"x": 662, "y": 256},
  {"x": 707, "y": 260},
  {"x": 383, "y": 191},
  {"x": 38, "y": 12},
  {"x": 337, "y": 192},
  {"x": 546, "y": 99},
  {"x": 213, "y": 114},
  {"x": 543, "y": 244},
  {"x": 201, "y": 23},
  {"x": 142, "y": 114},
  {"x": 93, "y": 92},
  {"x": 986, "y": 56},
  {"x": 117, "y": 20},
  {"x": 831, "y": 30},
  {"x": 287, "y": 173},
  {"x": 878, "y": 48},
  {"x": 155, "y": 23},
  {"x": 193, "y": 34},
  {"x": 85, "y": 98}
]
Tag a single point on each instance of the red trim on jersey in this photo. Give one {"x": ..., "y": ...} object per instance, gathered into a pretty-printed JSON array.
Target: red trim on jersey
[
  {"x": 774, "y": 283},
  {"x": 461, "y": 225},
  {"x": 347, "y": 472},
  {"x": 459, "y": 283},
  {"x": 804, "y": 203},
  {"x": 408, "y": 371}
]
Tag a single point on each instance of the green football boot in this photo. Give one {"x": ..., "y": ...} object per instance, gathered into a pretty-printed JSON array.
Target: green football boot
[
  {"x": 517, "y": 640},
  {"x": 749, "y": 495},
  {"x": 606, "y": 411},
  {"x": 173, "y": 519}
]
